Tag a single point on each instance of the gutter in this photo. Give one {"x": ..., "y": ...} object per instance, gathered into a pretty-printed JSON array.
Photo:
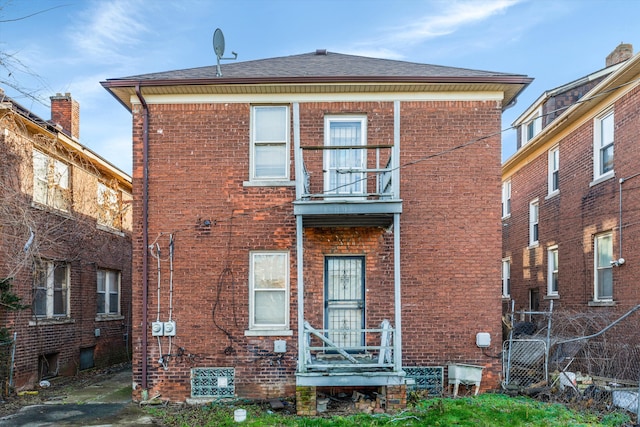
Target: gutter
[
  {"x": 145, "y": 230},
  {"x": 194, "y": 81}
]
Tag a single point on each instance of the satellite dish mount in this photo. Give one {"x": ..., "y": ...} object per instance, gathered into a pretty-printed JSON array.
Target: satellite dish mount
[{"x": 218, "y": 48}]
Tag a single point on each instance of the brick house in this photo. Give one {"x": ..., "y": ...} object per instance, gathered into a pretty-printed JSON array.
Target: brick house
[
  {"x": 305, "y": 227},
  {"x": 570, "y": 195},
  {"x": 65, "y": 247}
]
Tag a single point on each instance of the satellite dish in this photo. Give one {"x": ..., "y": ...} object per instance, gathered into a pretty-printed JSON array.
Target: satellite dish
[
  {"x": 218, "y": 43},
  {"x": 218, "y": 48}
]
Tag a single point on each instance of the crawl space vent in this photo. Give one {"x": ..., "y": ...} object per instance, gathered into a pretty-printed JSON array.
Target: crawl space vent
[
  {"x": 430, "y": 378},
  {"x": 213, "y": 382}
]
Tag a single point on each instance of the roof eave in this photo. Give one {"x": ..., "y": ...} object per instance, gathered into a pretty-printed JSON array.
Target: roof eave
[
  {"x": 112, "y": 85},
  {"x": 616, "y": 81}
]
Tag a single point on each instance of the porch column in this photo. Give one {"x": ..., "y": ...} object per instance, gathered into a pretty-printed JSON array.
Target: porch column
[
  {"x": 299, "y": 168},
  {"x": 397, "y": 346},
  {"x": 302, "y": 365}
]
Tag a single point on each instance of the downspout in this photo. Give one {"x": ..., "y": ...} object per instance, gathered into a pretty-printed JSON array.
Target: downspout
[{"x": 145, "y": 231}]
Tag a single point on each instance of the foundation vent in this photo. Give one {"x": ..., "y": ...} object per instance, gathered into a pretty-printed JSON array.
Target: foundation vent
[
  {"x": 428, "y": 378},
  {"x": 213, "y": 382}
]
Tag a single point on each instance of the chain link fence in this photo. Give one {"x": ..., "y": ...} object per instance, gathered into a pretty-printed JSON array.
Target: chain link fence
[{"x": 583, "y": 358}]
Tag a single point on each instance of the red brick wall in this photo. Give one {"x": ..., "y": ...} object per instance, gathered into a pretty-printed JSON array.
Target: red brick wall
[
  {"x": 71, "y": 237},
  {"x": 199, "y": 158},
  {"x": 65, "y": 111},
  {"x": 572, "y": 218}
]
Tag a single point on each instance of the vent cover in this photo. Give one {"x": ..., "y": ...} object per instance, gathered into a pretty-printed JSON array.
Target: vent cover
[
  {"x": 426, "y": 378},
  {"x": 213, "y": 382}
]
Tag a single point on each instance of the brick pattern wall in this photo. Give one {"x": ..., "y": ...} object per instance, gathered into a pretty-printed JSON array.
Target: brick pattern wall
[
  {"x": 572, "y": 218},
  {"x": 65, "y": 111},
  {"x": 451, "y": 250},
  {"x": 72, "y": 237}
]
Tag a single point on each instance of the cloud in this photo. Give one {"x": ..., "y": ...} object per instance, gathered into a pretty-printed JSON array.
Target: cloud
[
  {"x": 107, "y": 29},
  {"x": 447, "y": 18}
]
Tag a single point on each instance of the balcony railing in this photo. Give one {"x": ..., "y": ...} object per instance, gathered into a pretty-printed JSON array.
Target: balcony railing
[
  {"x": 324, "y": 352},
  {"x": 357, "y": 172}
]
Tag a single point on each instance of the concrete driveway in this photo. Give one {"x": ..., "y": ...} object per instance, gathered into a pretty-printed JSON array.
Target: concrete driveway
[{"x": 102, "y": 400}]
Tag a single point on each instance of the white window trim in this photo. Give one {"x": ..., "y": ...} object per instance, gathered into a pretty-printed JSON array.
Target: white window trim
[
  {"x": 49, "y": 301},
  {"x": 552, "y": 170},
  {"x": 52, "y": 166},
  {"x": 550, "y": 269},
  {"x": 266, "y": 181},
  {"x": 109, "y": 204},
  {"x": 506, "y": 277},
  {"x": 506, "y": 199},
  {"x": 532, "y": 223},
  {"x": 269, "y": 330},
  {"x": 108, "y": 291},
  {"x": 327, "y": 141},
  {"x": 536, "y": 119},
  {"x": 597, "y": 142},
  {"x": 596, "y": 284}
]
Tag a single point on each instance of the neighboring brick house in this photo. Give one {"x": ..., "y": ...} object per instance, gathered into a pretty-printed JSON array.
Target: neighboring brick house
[
  {"x": 571, "y": 205},
  {"x": 65, "y": 246},
  {"x": 313, "y": 221}
]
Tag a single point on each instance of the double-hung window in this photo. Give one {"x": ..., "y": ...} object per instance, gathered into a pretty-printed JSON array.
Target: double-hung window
[
  {"x": 603, "y": 274},
  {"x": 269, "y": 290},
  {"x": 109, "y": 207},
  {"x": 269, "y": 143},
  {"x": 554, "y": 170},
  {"x": 108, "y": 296},
  {"x": 506, "y": 198},
  {"x": 51, "y": 290},
  {"x": 533, "y": 222},
  {"x": 531, "y": 126},
  {"x": 506, "y": 277},
  {"x": 603, "y": 145},
  {"x": 50, "y": 182},
  {"x": 552, "y": 271}
]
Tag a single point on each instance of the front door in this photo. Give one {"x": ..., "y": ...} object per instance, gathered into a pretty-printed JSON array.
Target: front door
[{"x": 344, "y": 300}]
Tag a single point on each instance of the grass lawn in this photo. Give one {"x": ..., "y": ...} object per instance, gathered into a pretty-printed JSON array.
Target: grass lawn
[{"x": 490, "y": 410}]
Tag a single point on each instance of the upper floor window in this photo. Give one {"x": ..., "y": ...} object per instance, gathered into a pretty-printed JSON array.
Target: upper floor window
[
  {"x": 51, "y": 289},
  {"x": 506, "y": 198},
  {"x": 108, "y": 297},
  {"x": 603, "y": 145},
  {"x": 345, "y": 166},
  {"x": 269, "y": 290},
  {"x": 552, "y": 271},
  {"x": 50, "y": 182},
  {"x": 109, "y": 206},
  {"x": 531, "y": 126},
  {"x": 533, "y": 222},
  {"x": 603, "y": 276},
  {"x": 269, "y": 143},
  {"x": 506, "y": 277},
  {"x": 554, "y": 170}
]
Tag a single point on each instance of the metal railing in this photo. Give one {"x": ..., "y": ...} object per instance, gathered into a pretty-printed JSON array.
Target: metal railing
[
  {"x": 322, "y": 353},
  {"x": 350, "y": 177}
]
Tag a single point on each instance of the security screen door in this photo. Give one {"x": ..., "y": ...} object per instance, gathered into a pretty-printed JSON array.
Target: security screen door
[
  {"x": 343, "y": 166},
  {"x": 344, "y": 300}
]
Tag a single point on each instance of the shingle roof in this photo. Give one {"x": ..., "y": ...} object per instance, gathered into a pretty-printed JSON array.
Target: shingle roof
[
  {"x": 319, "y": 71},
  {"x": 314, "y": 64}
]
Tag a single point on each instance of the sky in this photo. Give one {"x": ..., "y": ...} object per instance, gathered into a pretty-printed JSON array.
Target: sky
[{"x": 70, "y": 46}]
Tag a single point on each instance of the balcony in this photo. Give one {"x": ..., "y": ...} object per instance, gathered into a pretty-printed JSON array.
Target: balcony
[
  {"x": 348, "y": 357},
  {"x": 347, "y": 186}
]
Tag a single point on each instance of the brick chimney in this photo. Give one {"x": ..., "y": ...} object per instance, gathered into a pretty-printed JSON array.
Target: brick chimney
[
  {"x": 66, "y": 112},
  {"x": 621, "y": 53}
]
